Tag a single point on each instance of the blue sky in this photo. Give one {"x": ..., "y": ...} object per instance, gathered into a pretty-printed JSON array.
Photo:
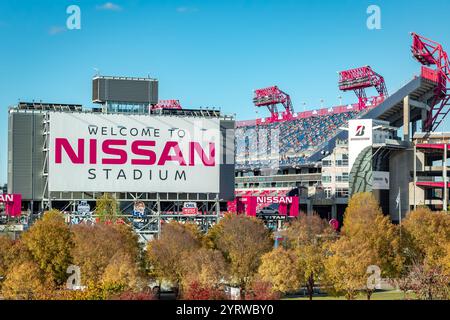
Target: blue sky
[{"x": 206, "y": 52}]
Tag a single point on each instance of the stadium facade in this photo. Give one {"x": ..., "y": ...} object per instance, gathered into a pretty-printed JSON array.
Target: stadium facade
[
  {"x": 65, "y": 156},
  {"x": 152, "y": 161}
]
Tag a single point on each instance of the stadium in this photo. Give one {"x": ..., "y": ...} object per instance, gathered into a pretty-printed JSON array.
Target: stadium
[{"x": 162, "y": 162}]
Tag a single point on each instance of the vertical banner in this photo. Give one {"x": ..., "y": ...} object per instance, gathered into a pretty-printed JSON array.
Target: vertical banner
[{"x": 360, "y": 136}]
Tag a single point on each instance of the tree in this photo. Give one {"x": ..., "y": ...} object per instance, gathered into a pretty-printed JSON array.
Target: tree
[
  {"x": 123, "y": 271},
  {"x": 166, "y": 255},
  {"x": 429, "y": 282},
  {"x": 261, "y": 290},
  {"x": 346, "y": 267},
  {"x": 107, "y": 208},
  {"x": 307, "y": 236},
  {"x": 242, "y": 240},
  {"x": 12, "y": 254},
  {"x": 197, "y": 291},
  {"x": 279, "y": 268},
  {"x": 98, "y": 246},
  {"x": 366, "y": 227},
  {"x": 206, "y": 267},
  {"x": 50, "y": 242},
  {"x": 5, "y": 249},
  {"x": 25, "y": 282},
  {"x": 426, "y": 236}
]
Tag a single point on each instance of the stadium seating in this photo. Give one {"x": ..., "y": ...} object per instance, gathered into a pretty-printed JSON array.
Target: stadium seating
[{"x": 287, "y": 143}]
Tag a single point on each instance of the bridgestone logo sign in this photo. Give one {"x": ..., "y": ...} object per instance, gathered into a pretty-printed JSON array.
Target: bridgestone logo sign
[{"x": 121, "y": 153}]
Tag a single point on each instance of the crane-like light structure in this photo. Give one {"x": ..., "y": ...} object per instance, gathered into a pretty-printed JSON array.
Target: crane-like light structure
[
  {"x": 431, "y": 53},
  {"x": 358, "y": 80}
]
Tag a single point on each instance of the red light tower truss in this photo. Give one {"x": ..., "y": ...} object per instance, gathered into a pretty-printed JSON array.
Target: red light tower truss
[
  {"x": 167, "y": 104},
  {"x": 358, "y": 80},
  {"x": 270, "y": 98},
  {"x": 428, "y": 53}
]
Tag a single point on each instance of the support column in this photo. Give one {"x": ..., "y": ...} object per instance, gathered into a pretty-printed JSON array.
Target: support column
[
  {"x": 444, "y": 173},
  {"x": 309, "y": 208},
  {"x": 415, "y": 176},
  {"x": 334, "y": 211},
  {"x": 424, "y": 117},
  {"x": 406, "y": 114}
]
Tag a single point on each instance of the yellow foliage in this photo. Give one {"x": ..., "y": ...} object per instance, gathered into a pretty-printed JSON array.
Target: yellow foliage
[
  {"x": 24, "y": 282},
  {"x": 427, "y": 235},
  {"x": 346, "y": 267},
  {"x": 278, "y": 267},
  {"x": 50, "y": 242}
]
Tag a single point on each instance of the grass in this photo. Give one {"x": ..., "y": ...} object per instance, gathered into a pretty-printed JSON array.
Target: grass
[{"x": 379, "y": 295}]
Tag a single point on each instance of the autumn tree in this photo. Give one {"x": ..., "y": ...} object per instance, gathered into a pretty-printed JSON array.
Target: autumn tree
[
  {"x": 261, "y": 290},
  {"x": 366, "y": 228},
  {"x": 242, "y": 240},
  {"x": 5, "y": 249},
  {"x": 429, "y": 282},
  {"x": 206, "y": 267},
  {"x": 426, "y": 237},
  {"x": 123, "y": 272},
  {"x": 279, "y": 268},
  {"x": 50, "y": 242},
  {"x": 307, "y": 236},
  {"x": 100, "y": 247},
  {"x": 166, "y": 255},
  {"x": 346, "y": 267},
  {"x": 12, "y": 254},
  {"x": 24, "y": 282}
]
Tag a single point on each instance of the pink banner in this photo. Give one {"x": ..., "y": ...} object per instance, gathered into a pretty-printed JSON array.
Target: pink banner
[{"x": 13, "y": 204}]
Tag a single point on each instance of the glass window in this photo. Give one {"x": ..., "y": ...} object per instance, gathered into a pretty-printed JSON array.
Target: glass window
[{"x": 327, "y": 163}]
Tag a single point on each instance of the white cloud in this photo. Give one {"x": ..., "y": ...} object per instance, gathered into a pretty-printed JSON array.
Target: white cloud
[
  {"x": 109, "y": 6},
  {"x": 56, "y": 30}
]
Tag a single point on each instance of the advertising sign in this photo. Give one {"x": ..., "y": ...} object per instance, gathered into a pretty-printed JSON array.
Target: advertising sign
[
  {"x": 12, "y": 203},
  {"x": 380, "y": 180},
  {"x": 360, "y": 136},
  {"x": 190, "y": 208},
  {"x": 133, "y": 153}
]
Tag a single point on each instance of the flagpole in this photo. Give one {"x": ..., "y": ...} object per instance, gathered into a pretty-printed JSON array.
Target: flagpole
[
  {"x": 399, "y": 207},
  {"x": 400, "y": 211}
]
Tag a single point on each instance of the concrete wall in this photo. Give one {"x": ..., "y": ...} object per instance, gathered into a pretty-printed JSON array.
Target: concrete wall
[
  {"x": 26, "y": 155},
  {"x": 400, "y": 170}
]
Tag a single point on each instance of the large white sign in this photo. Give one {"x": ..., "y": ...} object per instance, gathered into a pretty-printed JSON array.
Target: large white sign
[
  {"x": 133, "y": 153},
  {"x": 360, "y": 136}
]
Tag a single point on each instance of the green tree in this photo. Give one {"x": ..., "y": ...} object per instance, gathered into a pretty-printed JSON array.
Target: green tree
[
  {"x": 107, "y": 208},
  {"x": 50, "y": 242}
]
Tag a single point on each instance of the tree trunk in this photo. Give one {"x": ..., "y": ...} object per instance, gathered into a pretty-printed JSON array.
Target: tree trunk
[
  {"x": 310, "y": 286},
  {"x": 369, "y": 294}
]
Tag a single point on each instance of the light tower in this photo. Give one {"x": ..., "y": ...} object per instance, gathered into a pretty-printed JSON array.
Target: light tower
[
  {"x": 271, "y": 97},
  {"x": 358, "y": 80},
  {"x": 428, "y": 53}
]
